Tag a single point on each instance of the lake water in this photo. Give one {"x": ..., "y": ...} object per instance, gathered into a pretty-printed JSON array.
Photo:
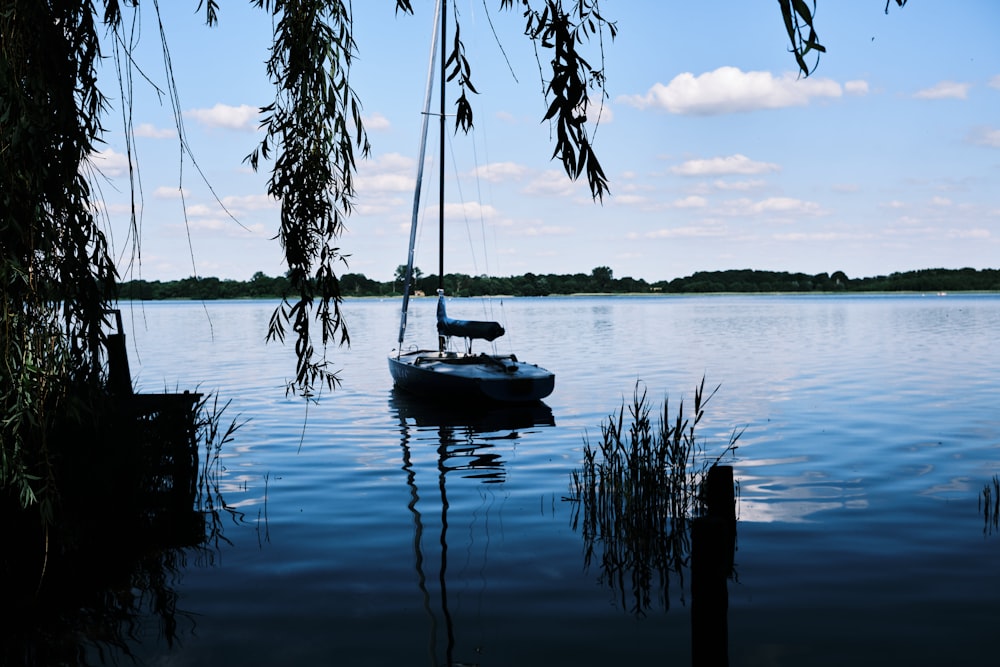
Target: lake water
[{"x": 376, "y": 532}]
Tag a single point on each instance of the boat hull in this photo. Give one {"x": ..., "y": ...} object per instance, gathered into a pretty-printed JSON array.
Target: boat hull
[{"x": 468, "y": 377}]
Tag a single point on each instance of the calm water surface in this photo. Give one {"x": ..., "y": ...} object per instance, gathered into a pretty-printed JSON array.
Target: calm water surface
[{"x": 374, "y": 532}]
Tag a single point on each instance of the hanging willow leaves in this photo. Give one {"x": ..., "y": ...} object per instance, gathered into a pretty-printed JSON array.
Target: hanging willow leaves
[
  {"x": 462, "y": 71},
  {"x": 313, "y": 127},
  {"x": 799, "y": 21},
  {"x": 56, "y": 275},
  {"x": 559, "y": 33}
]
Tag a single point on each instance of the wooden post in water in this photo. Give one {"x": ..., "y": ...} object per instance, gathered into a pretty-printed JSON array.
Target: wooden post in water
[
  {"x": 720, "y": 494},
  {"x": 119, "y": 376},
  {"x": 713, "y": 543}
]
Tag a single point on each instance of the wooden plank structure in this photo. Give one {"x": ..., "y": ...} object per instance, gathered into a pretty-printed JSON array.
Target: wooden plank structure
[{"x": 166, "y": 429}]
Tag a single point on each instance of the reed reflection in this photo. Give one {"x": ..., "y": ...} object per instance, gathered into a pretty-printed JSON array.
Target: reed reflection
[
  {"x": 456, "y": 443},
  {"x": 652, "y": 505},
  {"x": 92, "y": 586},
  {"x": 989, "y": 505}
]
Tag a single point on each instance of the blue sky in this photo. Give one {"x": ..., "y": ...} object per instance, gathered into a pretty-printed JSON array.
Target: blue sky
[{"x": 719, "y": 156}]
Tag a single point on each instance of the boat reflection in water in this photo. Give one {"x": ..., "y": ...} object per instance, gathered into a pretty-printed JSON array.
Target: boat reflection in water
[{"x": 452, "y": 445}]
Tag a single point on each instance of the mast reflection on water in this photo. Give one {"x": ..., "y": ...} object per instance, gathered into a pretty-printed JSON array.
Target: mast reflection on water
[{"x": 463, "y": 442}]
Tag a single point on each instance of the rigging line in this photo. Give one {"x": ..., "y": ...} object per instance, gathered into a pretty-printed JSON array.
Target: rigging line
[
  {"x": 499, "y": 45},
  {"x": 484, "y": 302},
  {"x": 475, "y": 155},
  {"x": 502, "y": 317},
  {"x": 479, "y": 198},
  {"x": 603, "y": 90},
  {"x": 462, "y": 203},
  {"x": 124, "y": 67},
  {"x": 407, "y": 279},
  {"x": 182, "y": 135},
  {"x": 487, "y": 302},
  {"x": 175, "y": 104},
  {"x": 458, "y": 181},
  {"x": 491, "y": 271},
  {"x": 125, "y": 49},
  {"x": 495, "y": 271}
]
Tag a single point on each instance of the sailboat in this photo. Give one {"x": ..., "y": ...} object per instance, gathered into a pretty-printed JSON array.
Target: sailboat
[{"x": 445, "y": 373}]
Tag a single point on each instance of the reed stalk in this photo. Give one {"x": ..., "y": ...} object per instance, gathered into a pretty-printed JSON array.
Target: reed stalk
[{"x": 636, "y": 492}]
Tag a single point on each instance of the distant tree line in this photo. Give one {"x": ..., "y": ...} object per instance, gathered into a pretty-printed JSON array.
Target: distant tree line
[
  {"x": 600, "y": 280},
  {"x": 932, "y": 280}
]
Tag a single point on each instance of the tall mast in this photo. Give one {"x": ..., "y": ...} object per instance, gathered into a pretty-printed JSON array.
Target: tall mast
[
  {"x": 408, "y": 279},
  {"x": 444, "y": 37},
  {"x": 444, "y": 33}
]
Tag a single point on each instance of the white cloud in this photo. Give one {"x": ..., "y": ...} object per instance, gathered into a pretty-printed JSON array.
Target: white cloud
[
  {"x": 110, "y": 162},
  {"x": 377, "y": 122},
  {"x": 152, "y": 132},
  {"x": 994, "y": 82},
  {"x": 681, "y": 232},
  {"x": 164, "y": 192},
  {"x": 546, "y": 230},
  {"x": 500, "y": 171},
  {"x": 628, "y": 200},
  {"x": 394, "y": 161},
  {"x": 752, "y": 184},
  {"x": 856, "y": 87},
  {"x": 733, "y": 164},
  {"x": 114, "y": 209},
  {"x": 730, "y": 90},
  {"x": 250, "y": 202},
  {"x": 201, "y": 210},
  {"x": 600, "y": 114},
  {"x": 465, "y": 210},
  {"x": 225, "y": 226},
  {"x": 384, "y": 182},
  {"x": 382, "y": 205},
  {"x": 692, "y": 201},
  {"x": 553, "y": 183},
  {"x": 785, "y": 205},
  {"x": 391, "y": 172},
  {"x": 944, "y": 90},
  {"x": 970, "y": 234},
  {"x": 985, "y": 136},
  {"x": 940, "y": 201},
  {"x": 820, "y": 236},
  {"x": 633, "y": 187},
  {"x": 243, "y": 117}
]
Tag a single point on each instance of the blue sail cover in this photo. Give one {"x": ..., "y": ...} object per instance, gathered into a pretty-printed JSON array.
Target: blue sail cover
[{"x": 465, "y": 328}]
